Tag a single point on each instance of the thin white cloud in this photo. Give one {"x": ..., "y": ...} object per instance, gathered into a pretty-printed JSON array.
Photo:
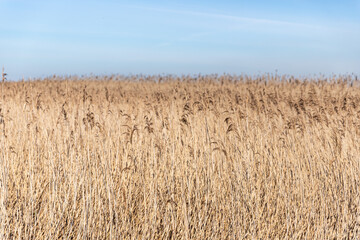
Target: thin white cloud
[
  {"x": 236, "y": 19},
  {"x": 194, "y": 36},
  {"x": 231, "y": 17}
]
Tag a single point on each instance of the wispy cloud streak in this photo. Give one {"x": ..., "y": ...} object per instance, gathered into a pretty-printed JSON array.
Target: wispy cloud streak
[{"x": 251, "y": 20}]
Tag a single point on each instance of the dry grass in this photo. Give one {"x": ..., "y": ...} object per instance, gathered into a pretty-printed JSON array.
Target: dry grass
[{"x": 219, "y": 158}]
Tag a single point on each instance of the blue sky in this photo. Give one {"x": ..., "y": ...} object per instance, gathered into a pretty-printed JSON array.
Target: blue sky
[{"x": 299, "y": 37}]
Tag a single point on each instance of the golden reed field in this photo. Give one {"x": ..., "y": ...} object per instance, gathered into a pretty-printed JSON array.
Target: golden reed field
[{"x": 211, "y": 157}]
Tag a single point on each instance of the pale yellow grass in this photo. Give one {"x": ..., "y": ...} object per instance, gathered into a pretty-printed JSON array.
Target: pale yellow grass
[{"x": 208, "y": 159}]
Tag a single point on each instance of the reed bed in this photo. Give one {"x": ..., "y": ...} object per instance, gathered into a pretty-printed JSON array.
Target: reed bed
[{"x": 165, "y": 157}]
